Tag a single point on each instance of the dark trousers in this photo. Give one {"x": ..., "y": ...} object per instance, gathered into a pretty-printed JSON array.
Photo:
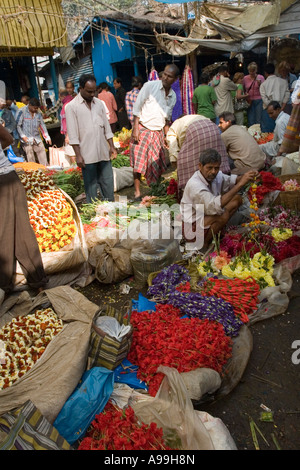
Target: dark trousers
[
  {"x": 17, "y": 238},
  {"x": 100, "y": 173}
]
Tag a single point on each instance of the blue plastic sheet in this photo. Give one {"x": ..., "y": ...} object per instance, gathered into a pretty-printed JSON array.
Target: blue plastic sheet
[
  {"x": 126, "y": 373},
  {"x": 143, "y": 304},
  {"x": 88, "y": 399}
]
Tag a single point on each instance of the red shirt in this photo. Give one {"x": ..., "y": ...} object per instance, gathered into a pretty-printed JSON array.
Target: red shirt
[{"x": 111, "y": 104}]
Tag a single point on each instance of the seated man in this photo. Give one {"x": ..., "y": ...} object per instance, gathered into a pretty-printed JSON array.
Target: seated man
[
  {"x": 281, "y": 119},
  {"x": 201, "y": 134},
  {"x": 211, "y": 199},
  {"x": 242, "y": 148}
]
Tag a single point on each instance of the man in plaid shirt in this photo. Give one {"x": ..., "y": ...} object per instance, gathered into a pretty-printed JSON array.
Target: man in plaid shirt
[
  {"x": 30, "y": 126},
  {"x": 131, "y": 97}
]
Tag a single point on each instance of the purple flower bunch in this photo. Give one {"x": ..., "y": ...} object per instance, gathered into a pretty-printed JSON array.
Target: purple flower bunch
[
  {"x": 195, "y": 305},
  {"x": 166, "y": 281}
]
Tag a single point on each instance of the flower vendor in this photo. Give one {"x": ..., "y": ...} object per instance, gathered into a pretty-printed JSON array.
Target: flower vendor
[
  {"x": 211, "y": 199},
  {"x": 17, "y": 238},
  {"x": 243, "y": 150}
]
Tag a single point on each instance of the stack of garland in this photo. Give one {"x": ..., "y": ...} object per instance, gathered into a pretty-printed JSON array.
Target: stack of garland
[
  {"x": 50, "y": 214},
  {"x": 23, "y": 340}
]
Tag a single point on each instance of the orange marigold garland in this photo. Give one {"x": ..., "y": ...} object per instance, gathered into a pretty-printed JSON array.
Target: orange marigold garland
[{"x": 50, "y": 214}]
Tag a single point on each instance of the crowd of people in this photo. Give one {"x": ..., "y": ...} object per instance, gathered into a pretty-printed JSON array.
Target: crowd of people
[{"x": 214, "y": 154}]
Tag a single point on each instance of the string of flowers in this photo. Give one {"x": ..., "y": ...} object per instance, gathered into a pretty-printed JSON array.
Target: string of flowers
[
  {"x": 117, "y": 429},
  {"x": 266, "y": 183},
  {"x": 196, "y": 305},
  {"x": 50, "y": 214},
  {"x": 241, "y": 294},
  {"x": 163, "y": 338},
  {"x": 166, "y": 281}
]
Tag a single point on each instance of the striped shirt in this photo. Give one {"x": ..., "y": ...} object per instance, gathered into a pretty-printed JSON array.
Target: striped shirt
[{"x": 31, "y": 125}]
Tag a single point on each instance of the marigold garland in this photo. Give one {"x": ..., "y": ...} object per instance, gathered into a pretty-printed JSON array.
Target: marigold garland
[
  {"x": 50, "y": 214},
  {"x": 25, "y": 339}
]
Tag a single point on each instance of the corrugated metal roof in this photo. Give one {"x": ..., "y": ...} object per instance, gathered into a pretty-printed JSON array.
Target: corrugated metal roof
[{"x": 31, "y": 27}]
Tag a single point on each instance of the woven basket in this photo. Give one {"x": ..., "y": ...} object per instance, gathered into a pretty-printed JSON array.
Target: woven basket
[
  {"x": 104, "y": 350},
  {"x": 289, "y": 199}
]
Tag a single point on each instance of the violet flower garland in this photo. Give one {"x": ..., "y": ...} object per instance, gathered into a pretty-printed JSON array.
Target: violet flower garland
[
  {"x": 195, "y": 305},
  {"x": 166, "y": 281}
]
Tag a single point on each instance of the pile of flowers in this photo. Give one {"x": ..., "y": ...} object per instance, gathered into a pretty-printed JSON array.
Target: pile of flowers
[
  {"x": 236, "y": 243},
  {"x": 291, "y": 185},
  {"x": 263, "y": 186},
  {"x": 164, "y": 338},
  {"x": 25, "y": 338},
  {"x": 280, "y": 234},
  {"x": 50, "y": 214},
  {"x": 213, "y": 263},
  {"x": 117, "y": 429},
  {"x": 122, "y": 139},
  {"x": 242, "y": 294},
  {"x": 260, "y": 267},
  {"x": 280, "y": 217}
]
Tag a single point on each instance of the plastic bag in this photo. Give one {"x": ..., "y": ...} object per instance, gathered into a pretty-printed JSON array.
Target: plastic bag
[
  {"x": 12, "y": 157},
  {"x": 172, "y": 410},
  {"x": 88, "y": 400},
  {"x": 112, "y": 327}
]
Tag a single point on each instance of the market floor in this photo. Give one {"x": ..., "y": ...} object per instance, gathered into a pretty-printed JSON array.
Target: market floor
[{"x": 271, "y": 378}]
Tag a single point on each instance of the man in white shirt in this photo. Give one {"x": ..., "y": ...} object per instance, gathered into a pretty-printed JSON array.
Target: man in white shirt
[
  {"x": 91, "y": 137},
  {"x": 210, "y": 199},
  {"x": 272, "y": 89},
  {"x": 281, "y": 119},
  {"x": 152, "y": 113}
]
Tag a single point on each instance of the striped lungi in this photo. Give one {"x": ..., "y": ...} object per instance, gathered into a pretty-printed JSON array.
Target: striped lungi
[
  {"x": 147, "y": 157},
  {"x": 291, "y": 138},
  {"x": 200, "y": 135}
]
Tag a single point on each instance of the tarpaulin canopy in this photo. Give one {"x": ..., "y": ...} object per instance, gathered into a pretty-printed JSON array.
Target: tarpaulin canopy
[
  {"x": 31, "y": 28},
  {"x": 226, "y": 28}
]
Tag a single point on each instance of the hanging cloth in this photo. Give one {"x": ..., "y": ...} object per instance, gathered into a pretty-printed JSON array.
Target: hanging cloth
[
  {"x": 153, "y": 75},
  {"x": 187, "y": 90},
  {"x": 177, "y": 110}
]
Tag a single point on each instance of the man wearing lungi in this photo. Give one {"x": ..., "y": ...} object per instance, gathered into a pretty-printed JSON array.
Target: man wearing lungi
[{"x": 152, "y": 112}]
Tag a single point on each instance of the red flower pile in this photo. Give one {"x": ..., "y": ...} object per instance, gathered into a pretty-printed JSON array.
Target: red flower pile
[
  {"x": 242, "y": 294},
  {"x": 117, "y": 429},
  {"x": 172, "y": 187},
  {"x": 267, "y": 183},
  {"x": 163, "y": 338},
  {"x": 184, "y": 287}
]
